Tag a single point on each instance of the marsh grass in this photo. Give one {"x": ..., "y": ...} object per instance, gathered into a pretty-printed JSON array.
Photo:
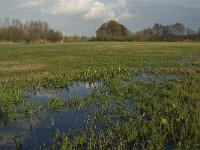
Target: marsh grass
[
  {"x": 56, "y": 104},
  {"x": 125, "y": 114}
]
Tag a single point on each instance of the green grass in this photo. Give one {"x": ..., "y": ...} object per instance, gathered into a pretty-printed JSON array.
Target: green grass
[
  {"x": 161, "y": 114},
  {"x": 56, "y": 104}
]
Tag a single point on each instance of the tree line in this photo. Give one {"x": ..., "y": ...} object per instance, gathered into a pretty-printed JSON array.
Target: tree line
[
  {"x": 168, "y": 33},
  {"x": 16, "y": 31},
  {"x": 113, "y": 31}
]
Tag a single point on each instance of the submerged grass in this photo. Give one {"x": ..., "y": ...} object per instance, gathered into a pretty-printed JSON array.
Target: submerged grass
[
  {"x": 125, "y": 114},
  {"x": 56, "y": 104}
]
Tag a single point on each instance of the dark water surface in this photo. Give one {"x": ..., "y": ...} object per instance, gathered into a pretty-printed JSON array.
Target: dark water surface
[
  {"x": 43, "y": 95},
  {"x": 38, "y": 134},
  {"x": 155, "y": 79}
]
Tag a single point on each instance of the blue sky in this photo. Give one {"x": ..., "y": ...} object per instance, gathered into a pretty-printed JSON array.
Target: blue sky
[{"x": 83, "y": 17}]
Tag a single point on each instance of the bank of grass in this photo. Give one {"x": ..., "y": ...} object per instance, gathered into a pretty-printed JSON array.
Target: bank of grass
[{"x": 164, "y": 114}]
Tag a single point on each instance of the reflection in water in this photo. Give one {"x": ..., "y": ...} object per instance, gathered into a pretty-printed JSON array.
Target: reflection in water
[
  {"x": 190, "y": 59},
  {"x": 155, "y": 79},
  {"x": 12, "y": 134},
  {"x": 37, "y": 134},
  {"x": 78, "y": 90}
]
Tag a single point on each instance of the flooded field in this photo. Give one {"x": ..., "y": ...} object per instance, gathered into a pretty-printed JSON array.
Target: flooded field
[
  {"x": 128, "y": 100},
  {"x": 30, "y": 134},
  {"x": 43, "y": 95}
]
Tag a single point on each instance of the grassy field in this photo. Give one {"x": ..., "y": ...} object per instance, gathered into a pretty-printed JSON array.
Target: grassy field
[{"x": 150, "y": 97}]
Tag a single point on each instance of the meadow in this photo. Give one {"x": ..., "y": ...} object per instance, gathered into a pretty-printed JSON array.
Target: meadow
[{"x": 124, "y": 95}]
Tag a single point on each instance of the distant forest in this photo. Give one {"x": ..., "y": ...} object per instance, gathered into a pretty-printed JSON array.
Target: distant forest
[
  {"x": 113, "y": 31},
  {"x": 35, "y": 31},
  {"x": 14, "y": 30},
  {"x": 168, "y": 33}
]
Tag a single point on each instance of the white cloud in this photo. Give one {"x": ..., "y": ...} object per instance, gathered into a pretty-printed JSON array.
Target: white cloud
[
  {"x": 125, "y": 15},
  {"x": 30, "y": 4},
  {"x": 69, "y": 7},
  {"x": 98, "y": 11},
  {"x": 84, "y": 9},
  {"x": 91, "y": 9},
  {"x": 122, "y": 3}
]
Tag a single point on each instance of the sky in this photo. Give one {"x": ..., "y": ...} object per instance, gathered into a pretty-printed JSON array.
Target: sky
[{"x": 84, "y": 17}]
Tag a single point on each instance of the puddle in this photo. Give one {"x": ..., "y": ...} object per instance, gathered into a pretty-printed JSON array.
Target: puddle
[
  {"x": 12, "y": 134},
  {"x": 43, "y": 95},
  {"x": 155, "y": 79},
  {"x": 39, "y": 134},
  {"x": 191, "y": 59},
  {"x": 65, "y": 121}
]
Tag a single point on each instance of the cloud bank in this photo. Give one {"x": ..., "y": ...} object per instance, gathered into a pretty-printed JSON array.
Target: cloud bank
[
  {"x": 30, "y": 4},
  {"x": 84, "y": 9},
  {"x": 85, "y": 16}
]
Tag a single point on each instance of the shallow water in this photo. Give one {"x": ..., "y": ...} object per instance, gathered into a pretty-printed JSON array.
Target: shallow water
[
  {"x": 190, "y": 59},
  {"x": 36, "y": 134},
  {"x": 33, "y": 135},
  {"x": 43, "y": 95},
  {"x": 155, "y": 79}
]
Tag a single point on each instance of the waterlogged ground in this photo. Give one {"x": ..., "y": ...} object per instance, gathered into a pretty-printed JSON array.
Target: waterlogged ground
[
  {"x": 100, "y": 96},
  {"x": 43, "y": 95},
  {"x": 38, "y": 132}
]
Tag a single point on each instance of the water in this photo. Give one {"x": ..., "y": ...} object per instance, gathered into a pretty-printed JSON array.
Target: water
[
  {"x": 43, "y": 95},
  {"x": 38, "y": 133},
  {"x": 155, "y": 79},
  {"x": 35, "y": 133},
  {"x": 11, "y": 134},
  {"x": 190, "y": 59}
]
